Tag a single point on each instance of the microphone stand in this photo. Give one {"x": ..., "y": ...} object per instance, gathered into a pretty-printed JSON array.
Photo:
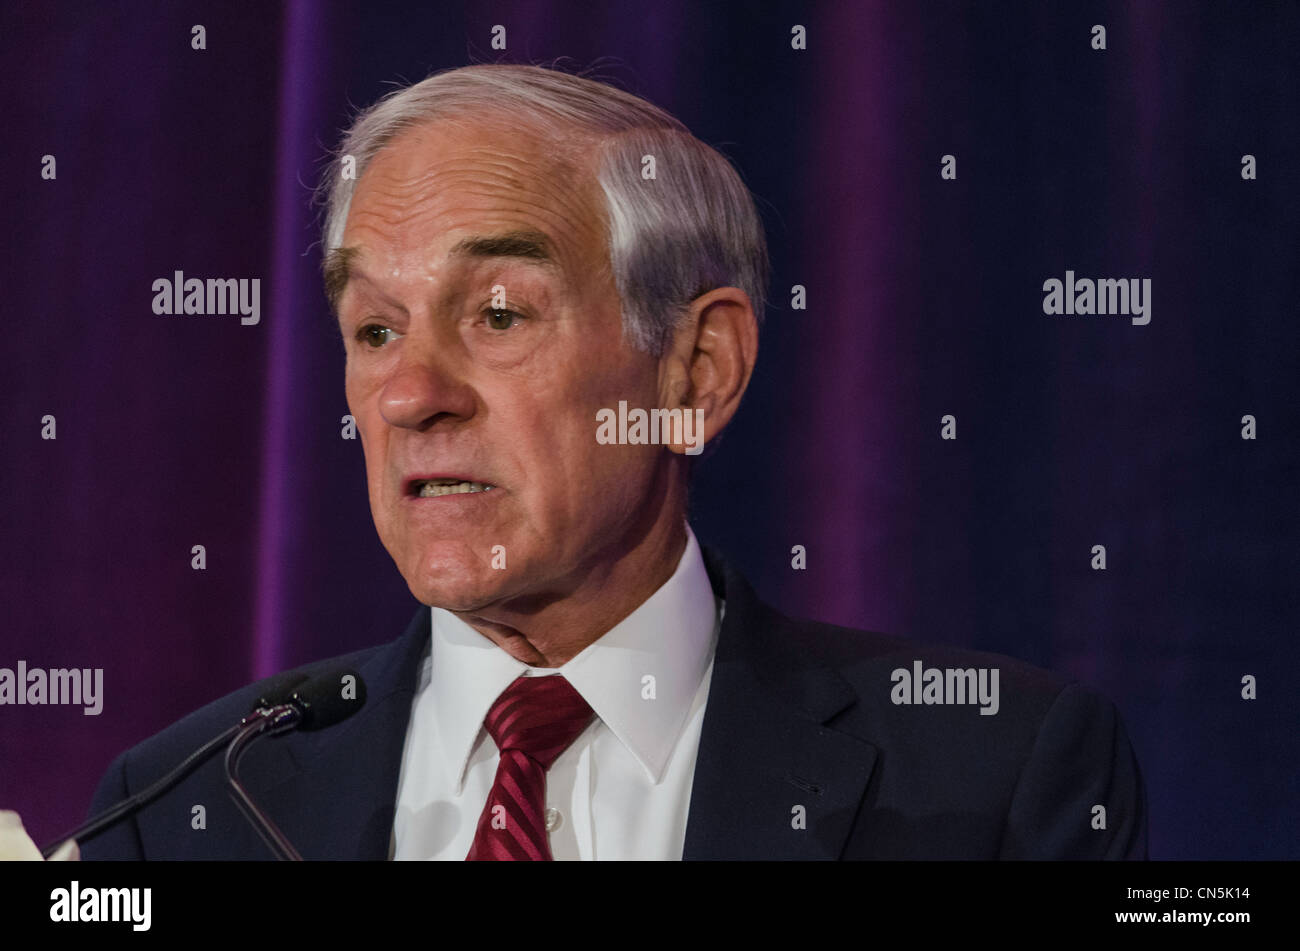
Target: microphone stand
[{"x": 276, "y": 720}]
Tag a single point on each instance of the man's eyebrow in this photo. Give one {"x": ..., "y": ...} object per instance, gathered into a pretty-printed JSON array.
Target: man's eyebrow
[
  {"x": 530, "y": 245},
  {"x": 337, "y": 268}
]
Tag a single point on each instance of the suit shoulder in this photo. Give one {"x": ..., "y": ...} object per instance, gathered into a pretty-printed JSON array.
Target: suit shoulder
[
  {"x": 1009, "y": 760},
  {"x": 863, "y": 657},
  {"x": 149, "y": 759}
]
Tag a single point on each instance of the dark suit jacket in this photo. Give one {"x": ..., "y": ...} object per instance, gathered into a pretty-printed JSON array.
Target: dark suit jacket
[{"x": 798, "y": 714}]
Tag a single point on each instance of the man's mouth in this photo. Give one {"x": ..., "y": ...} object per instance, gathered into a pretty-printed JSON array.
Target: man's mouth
[{"x": 433, "y": 488}]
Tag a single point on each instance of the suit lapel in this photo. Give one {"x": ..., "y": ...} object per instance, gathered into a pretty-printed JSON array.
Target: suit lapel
[{"x": 772, "y": 781}]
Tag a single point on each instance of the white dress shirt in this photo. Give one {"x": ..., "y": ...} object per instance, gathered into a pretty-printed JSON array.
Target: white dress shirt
[{"x": 623, "y": 788}]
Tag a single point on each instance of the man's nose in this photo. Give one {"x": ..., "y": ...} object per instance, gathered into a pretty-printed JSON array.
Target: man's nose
[{"x": 424, "y": 390}]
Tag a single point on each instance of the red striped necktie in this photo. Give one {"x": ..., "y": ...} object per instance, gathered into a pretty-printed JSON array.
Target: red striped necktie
[{"x": 532, "y": 722}]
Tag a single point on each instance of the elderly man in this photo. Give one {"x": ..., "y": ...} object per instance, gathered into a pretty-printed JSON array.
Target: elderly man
[{"x": 516, "y": 256}]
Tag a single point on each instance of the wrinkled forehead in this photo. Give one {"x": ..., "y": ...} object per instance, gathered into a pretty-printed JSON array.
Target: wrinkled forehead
[{"x": 435, "y": 185}]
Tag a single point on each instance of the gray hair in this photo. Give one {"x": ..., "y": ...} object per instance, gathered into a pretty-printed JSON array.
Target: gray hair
[{"x": 671, "y": 239}]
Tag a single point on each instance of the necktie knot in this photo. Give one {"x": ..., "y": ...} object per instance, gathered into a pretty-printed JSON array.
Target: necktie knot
[{"x": 539, "y": 717}]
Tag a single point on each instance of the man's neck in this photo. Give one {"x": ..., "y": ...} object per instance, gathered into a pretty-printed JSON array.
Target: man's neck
[{"x": 552, "y": 634}]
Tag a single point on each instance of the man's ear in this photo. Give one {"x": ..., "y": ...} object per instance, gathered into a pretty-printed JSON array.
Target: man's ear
[{"x": 707, "y": 365}]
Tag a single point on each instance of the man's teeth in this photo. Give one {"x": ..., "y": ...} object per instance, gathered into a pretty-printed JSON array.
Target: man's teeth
[{"x": 434, "y": 489}]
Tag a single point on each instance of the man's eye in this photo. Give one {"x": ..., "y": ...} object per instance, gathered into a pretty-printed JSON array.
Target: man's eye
[
  {"x": 375, "y": 336},
  {"x": 498, "y": 319}
]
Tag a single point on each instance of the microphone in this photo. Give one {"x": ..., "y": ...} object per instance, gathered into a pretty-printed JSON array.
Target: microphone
[
  {"x": 322, "y": 702},
  {"x": 329, "y": 699},
  {"x": 279, "y": 689}
]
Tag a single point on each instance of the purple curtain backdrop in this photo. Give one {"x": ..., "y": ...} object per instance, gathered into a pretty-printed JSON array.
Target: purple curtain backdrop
[{"x": 924, "y": 299}]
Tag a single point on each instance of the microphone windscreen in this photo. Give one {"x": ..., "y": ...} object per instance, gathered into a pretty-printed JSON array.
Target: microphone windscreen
[
  {"x": 329, "y": 699},
  {"x": 279, "y": 689}
]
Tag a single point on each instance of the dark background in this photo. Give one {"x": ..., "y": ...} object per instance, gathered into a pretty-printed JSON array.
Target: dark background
[{"x": 924, "y": 298}]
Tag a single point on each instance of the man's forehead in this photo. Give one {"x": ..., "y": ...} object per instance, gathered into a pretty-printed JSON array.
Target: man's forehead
[
  {"x": 479, "y": 162},
  {"x": 471, "y": 190},
  {"x": 450, "y": 181}
]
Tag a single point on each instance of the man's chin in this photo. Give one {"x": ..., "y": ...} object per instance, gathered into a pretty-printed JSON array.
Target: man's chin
[
  {"x": 451, "y": 574},
  {"x": 458, "y": 590}
]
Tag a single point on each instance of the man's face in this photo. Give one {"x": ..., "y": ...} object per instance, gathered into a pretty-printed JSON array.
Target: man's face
[{"x": 449, "y": 384}]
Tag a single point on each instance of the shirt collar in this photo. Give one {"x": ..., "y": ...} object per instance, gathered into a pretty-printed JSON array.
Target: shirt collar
[{"x": 640, "y": 677}]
